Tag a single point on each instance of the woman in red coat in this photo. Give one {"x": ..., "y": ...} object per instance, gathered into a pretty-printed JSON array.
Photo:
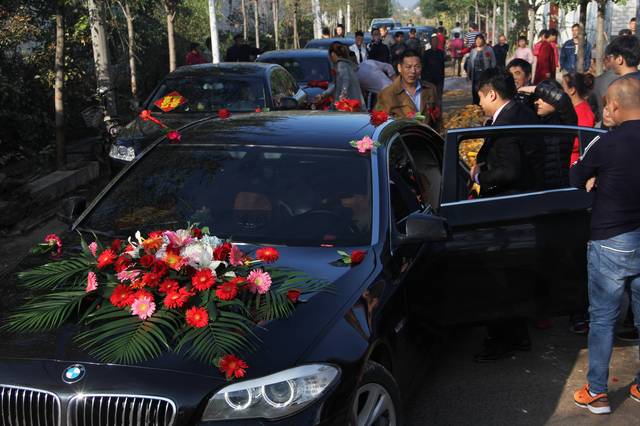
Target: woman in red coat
[{"x": 547, "y": 63}]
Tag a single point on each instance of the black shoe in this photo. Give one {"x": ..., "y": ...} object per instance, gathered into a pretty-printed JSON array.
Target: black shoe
[
  {"x": 628, "y": 336},
  {"x": 494, "y": 350}
]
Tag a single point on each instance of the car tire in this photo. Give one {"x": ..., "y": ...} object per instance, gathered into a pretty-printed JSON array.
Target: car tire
[{"x": 377, "y": 399}]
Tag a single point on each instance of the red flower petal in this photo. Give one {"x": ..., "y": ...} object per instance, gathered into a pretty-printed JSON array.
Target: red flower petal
[
  {"x": 203, "y": 279},
  {"x": 224, "y": 113},
  {"x": 293, "y": 295},
  {"x": 267, "y": 254},
  {"x": 197, "y": 317},
  {"x": 232, "y": 366},
  {"x": 357, "y": 256}
]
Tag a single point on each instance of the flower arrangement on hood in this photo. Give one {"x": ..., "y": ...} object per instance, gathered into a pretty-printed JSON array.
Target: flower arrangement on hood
[{"x": 184, "y": 291}]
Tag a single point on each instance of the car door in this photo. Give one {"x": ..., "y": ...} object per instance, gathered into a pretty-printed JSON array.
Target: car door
[
  {"x": 282, "y": 85},
  {"x": 512, "y": 255}
]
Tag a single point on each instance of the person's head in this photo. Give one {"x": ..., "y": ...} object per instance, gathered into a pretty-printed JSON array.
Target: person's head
[
  {"x": 456, "y": 35},
  {"x": 440, "y": 30},
  {"x": 578, "y": 85},
  {"x": 542, "y": 35},
  {"x": 622, "y": 100},
  {"x": 495, "y": 88},
  {"x": 632, "y": 25},
  {"x": 548, "y": 96},
  {"x": 502, "y": 40},
  {"x": 238, "y": 39},
  {"x": 457, "y": 24},
  {"x": 440, "y": 23},
  {"x": 412, "y": 33},
  {"x": 480, "y": 41},
  {"x": 410, "y": 67},
  {"x": 375, "y": 34},
  {"x": 522, "y": 41},
  {"x": 383, "y": 30},
  {"x": 339, "y": 30},
  {"x": 552, "y": 35},
  {"x": 326, "y": 33},
  {"x": 338, "y": 51},
  {"x": 625, "y": 32},
  {"x": 520, "y": 70},
  {"x": 359, "y": 38},
  {"x": 194, "y": 47},
  {"x": 575, "y": 30},
  {"x": 623, "y": 53},
  {"x": 399, "y": 37},
  {"x": 473, "y": 26}
]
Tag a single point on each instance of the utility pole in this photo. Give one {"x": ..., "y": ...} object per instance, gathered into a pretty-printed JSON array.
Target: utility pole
[{"x": 213, "y": 28}]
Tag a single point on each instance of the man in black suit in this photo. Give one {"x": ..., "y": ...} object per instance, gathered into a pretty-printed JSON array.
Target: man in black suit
[{"x": 504, "y": 165}]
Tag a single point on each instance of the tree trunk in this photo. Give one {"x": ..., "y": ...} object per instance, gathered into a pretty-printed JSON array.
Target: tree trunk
[
  {"x": 493, "y": 22},
  {"x": 256, "y": 18},
  {"x": 477, "y": 17},
  {"x": 213, "y": 29},
  {"x": 132, "y": 55},
  {"x": 531, "y": 16},
  {"x": 101, "y": 55},
  {"x": 600, "y": 41},
  {"x": 505, "y": 17},
  {"x": 296, "y": 39},
  {"x": 274, "y": 9},
  {"x": 59, "y": 86},
  {"x": 348, "y": 20},
  {"x": 317, "y": 18},
  {"x": 171, "y": 41},
  {"x": 486, "y": 21},
  {"x": 244, "y": 19},
  {"x": 581, "y": 43}
]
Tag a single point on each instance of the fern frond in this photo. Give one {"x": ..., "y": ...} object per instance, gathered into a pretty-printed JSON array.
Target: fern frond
[
  {"x": 55, "y": 274},
  {"x": 45, "y": 312}
]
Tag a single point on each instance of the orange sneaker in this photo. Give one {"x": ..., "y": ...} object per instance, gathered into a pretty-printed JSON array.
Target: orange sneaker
[
  {"x": 634, "y": 392},
  {"x": 598, "y": 404}
]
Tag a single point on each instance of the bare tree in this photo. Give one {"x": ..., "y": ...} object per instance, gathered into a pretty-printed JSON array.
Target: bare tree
[
  {"x": 276, "y": 23},
  {"x": 170, "y": 7},
  {"x": 59, "y": 86},
  {"x": 128, "y": 16},
  {"x": 296, "y": 38},
  {"x": 582, "y": 36},
  {"x": 256, "y": 15},
  {"x": 244, "y": 19},
  {"x": 317, "y": 18},
  {"x": 505, "y": 17}
]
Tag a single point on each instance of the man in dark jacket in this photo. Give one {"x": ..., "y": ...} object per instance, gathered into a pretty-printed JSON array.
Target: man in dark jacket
[
  {"x": 501, "y": 50},
  {"x": 377, "y": 50},
  {"x": 240, "y": 51},
  {"x": 433, "y": 67},
  {"x": 397, "y": 49}
]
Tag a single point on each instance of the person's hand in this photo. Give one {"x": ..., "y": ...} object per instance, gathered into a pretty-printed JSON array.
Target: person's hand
[
  {"x": 591, "y": 183},
  {"x": 318, "y": 98},
  {"x": 473, "y": 172},
  {"x": 527, "y": 89}
]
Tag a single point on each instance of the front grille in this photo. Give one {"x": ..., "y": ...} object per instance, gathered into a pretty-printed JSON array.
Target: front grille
[
  {"x": 25, "y": 406},
  {"x": 120, "y": 410}
]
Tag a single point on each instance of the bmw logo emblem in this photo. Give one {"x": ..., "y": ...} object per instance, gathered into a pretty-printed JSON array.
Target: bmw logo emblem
[{"x": 73, "y": 373}]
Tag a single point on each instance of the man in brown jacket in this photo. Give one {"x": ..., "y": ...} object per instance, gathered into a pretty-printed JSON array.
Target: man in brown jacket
[{"x": 408, "y": 97}]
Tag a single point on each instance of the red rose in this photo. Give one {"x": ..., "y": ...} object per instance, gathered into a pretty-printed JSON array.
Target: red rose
[
  {"x": 122, "y": 263},
  {"x": 168, "y": 285},
  {"x": 267, "y": 254},
  {"x": 232, "y": 366},
  {"x": 160, "y": 268},
  {"x": 224, "y": 113},
  {"x": 197, "y": 317},
  {"x": 293, "y": 295},
  {"x": 348, "y": 105},
  {"x": 122, "y": 296},
  {"x": 228, "y": 290},
  {"x": 378, "y": 117},
  {"x": 177, "y": 298},
  {"x": 116, "y": 245},
  {"x": 357, "y": 256},
  {"x": 174, "y": 136},
  {"x": 203, "y": 279},
  {"x": 197, "y": 232},
  {"x": 147, "y": 261},
  {"x": 106, "y": 258},
  {"x": 222, "y": 251}
]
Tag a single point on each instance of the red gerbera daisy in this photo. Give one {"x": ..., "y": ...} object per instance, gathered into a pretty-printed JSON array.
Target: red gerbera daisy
[
  {"x": 197, "y": 317},
  {"x": 121, "y": 296},
  {"x": 177, "y": 298},
  {"x": 203, "y": 279},
  {"x": 106, "y": 258},
  {"x": 122, "y": 263},
  {"x": 168, "y": 285},
  {"x": 150, "y": 280},
  {"x": 222, "y": 251},
  {"x": 267, "y": 254},
  {"x": 232, "y": 366},
  {"x": 228, "y": 290}
]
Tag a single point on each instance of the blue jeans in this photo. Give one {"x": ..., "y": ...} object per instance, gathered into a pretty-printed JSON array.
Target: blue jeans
[{"x": 613, "y": 265}]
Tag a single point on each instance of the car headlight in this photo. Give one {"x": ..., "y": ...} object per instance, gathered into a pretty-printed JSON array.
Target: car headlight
[
  {"x": 122, "y": 152},
  {"x": 271, "y": 397}
]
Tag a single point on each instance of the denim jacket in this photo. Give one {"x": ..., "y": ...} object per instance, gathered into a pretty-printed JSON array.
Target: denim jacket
[{"x": 569, "y": 56}]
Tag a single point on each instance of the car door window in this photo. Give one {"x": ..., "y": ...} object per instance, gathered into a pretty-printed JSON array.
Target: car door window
[
  {"x": 281, "y": 85},
  {"x": 404, "y": 189}
]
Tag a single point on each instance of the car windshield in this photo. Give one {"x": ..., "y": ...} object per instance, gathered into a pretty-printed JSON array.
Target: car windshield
[
  {"x": 209, "y": 94},
  {"x": 305, "y": 69},
  {"x": 283, "y": 196}
]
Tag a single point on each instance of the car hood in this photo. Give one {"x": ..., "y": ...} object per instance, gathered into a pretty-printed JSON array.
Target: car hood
[
  {"x": 140, "y": 129},
  {"x": 282, "y": 342}
]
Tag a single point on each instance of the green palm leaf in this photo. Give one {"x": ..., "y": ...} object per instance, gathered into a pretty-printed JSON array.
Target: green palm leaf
[
  {"x": 45, "y": 312},
  {"x": 116, "y": 336},
  {"x": 51, "y": 275},
  {"x": 229, "y": 334}
]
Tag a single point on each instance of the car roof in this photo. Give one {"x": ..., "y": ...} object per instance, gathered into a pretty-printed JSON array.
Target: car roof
[
  {"x": 295, "y": 53},
  {"x": 326, "y": 42},
  {"x": 223, "y": 68},
  {"x": 313, "y": 129}
]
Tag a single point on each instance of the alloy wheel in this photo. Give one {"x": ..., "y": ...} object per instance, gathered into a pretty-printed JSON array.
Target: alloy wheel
[{"x": 373, "y": 406}]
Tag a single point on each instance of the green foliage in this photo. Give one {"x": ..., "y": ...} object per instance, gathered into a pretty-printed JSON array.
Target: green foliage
[
  {"x": 54, "y": 274},
  {"x": 45, "y": 312}
]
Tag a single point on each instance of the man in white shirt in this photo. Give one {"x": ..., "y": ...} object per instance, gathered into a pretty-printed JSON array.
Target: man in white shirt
[
  {"x": 358, "y": 48},
  {"x": 374, "y": 76}
]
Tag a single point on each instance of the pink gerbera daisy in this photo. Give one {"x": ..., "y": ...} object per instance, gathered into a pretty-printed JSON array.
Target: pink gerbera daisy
[
  {"x": 92, "y": 282},
  {"x": 143, "y": 307},
  {"x": 93, "y": 248},
  {"x": 259, "y": 281}
]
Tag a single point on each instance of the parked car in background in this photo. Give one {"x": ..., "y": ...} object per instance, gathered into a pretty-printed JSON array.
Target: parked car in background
[
  {"x": 310, "y": 67},
  {"x": 324, "y": 43},
  {"x": 193, "y": 92},
  {"x": 390, "y": 23},
  {"x": 422, "y": 32}
]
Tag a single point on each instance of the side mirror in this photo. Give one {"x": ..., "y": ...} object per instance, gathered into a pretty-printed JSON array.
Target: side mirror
[
  {"x": 288, "y": 103},
  {"x": 71, "y": 209},
  {"x": 424, "y": 228}
]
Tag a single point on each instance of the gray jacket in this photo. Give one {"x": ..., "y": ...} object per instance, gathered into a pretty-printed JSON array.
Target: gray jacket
[
  {"x": 346, "y": 82},
  {"x": 487, "y": 55}
]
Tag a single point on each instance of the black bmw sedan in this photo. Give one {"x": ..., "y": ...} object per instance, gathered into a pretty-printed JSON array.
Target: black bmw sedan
[
  {"x": 193, "y": 92},
  {"x": 435, "y": 256}
]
